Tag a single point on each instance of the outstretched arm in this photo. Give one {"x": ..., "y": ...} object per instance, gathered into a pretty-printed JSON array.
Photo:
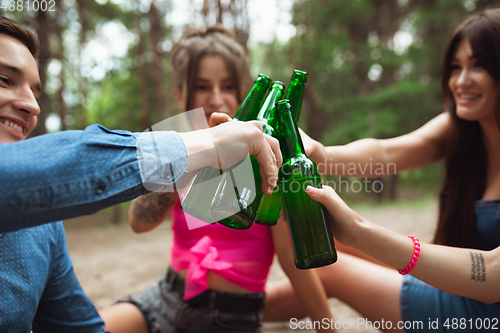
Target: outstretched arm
[
  {"x": 73, "y": 173},
  {"x": 220, "y": 146},
  {"x": 465, "y": 272},
  {"x": 381, "y": 157},
  {"x": 306, "y": 283}
]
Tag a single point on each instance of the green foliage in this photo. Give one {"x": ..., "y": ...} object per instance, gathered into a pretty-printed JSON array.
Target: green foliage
[
  {"x": 264, "y": 60},
  {"x": 341, "y": 44},
  {"x": 426, "y": 178},
  {"x": 115, "y": 102},
  {"x": 389, "y": 111}
]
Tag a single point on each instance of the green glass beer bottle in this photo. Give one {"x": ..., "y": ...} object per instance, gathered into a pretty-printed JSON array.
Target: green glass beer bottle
[
  {"x": 310, "y": 232},
  {"x": 239, "y": 194},
  {"x": 295, "y": 92},
  {"x": 200, "y": 193},
  {"x": 270, "y": 205},
  {"x": 250, "y": 107}
]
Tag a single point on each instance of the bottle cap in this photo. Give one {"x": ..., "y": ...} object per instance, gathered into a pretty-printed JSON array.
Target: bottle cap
[
  {"x": 299, "y": 75},
  {"x": 263, "y": 80},
  {"x": 283, "y": 106},
  {"x": 278, "y": 84}
]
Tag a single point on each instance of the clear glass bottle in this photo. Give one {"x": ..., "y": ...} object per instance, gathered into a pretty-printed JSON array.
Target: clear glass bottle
[
  {"x": 239, "y": 196},
  {"x": 200, "y": 193}
]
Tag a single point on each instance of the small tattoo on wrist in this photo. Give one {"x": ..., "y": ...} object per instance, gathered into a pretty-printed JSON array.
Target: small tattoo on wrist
[{"x": 478, "y": 270}]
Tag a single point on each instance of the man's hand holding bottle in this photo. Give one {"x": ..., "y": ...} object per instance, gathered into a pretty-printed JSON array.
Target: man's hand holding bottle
[{"x": 233, "y": 141}]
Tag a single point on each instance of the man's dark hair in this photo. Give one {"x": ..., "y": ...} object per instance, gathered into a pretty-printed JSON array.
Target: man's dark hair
[{"x": 19, "y": 32}]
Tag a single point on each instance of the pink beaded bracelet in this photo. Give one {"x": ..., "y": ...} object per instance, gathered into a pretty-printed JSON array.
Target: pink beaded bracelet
[{"x": 414, "y": 260}]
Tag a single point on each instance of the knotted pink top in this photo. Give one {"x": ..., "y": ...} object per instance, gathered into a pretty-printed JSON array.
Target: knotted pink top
[{"x": 242, "y": 257}]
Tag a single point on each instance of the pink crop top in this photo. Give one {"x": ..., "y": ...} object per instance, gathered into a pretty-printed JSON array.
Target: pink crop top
[{"x": 242, "y": 257}]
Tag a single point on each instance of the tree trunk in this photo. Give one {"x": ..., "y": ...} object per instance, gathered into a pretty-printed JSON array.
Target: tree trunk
[
  {"x": 393, "y": 187},
  {"x": 387, "y": 21},
  {"x": 43, "y": 62},
  {"x": 157, "y": 75},
  {"x": 142, "y": 74},
  {"x": 241, "y": 24},
  {"x": 220, "y": 11},
  {"x": 316, "y": 120},
  {"x": 206, "y": 10},
  {"x": 82, "y": 80},
  {"x": 61, "y": 105}
]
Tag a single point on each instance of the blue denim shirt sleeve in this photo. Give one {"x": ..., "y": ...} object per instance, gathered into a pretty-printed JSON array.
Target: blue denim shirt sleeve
[
  {"x": 72, "y": 173},
  {"x": 163, "y": 158}
]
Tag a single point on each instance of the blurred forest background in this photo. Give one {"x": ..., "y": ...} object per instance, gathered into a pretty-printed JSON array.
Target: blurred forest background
[{"x": 374, "y": 65}]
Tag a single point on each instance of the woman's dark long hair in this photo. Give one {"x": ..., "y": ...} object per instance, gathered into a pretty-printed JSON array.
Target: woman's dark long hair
[{"x": 466, "y": 164}]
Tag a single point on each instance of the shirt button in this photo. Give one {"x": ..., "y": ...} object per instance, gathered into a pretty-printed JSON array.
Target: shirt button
[
  {"x": 100, "y": 189},
  {"x": 168, "y": 174}
]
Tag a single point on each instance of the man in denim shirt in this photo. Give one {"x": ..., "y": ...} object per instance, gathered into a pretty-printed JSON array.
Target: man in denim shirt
[
  {"x": 38, "y": 287},
  {"x": 72, "y": 173},
  {"x": 75, "y": 173}
]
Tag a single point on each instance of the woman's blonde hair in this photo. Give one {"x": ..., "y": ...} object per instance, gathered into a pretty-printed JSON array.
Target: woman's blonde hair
[{"x": 215, "y": 40}]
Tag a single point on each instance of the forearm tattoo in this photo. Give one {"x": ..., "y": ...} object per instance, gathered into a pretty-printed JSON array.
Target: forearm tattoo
[
  {"x": 152, "y": 207},
  {"x": 478, "y": 270}
]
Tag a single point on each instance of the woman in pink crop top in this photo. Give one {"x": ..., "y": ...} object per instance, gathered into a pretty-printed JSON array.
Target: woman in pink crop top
[{"x": 217, "y": 276}]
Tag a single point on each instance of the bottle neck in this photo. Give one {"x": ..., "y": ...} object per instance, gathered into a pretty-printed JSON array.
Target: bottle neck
[
  {"x": 267, "y": 114},
  {"x": 290, "y": 136},
  {"x": 294, "y": 94},
  {"x": 250, "y": 107}
]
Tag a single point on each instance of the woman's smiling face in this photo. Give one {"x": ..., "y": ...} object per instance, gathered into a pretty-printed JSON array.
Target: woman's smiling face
[
  {"x": 214, "y": 89},
  {"x": 473, "y": 88}
]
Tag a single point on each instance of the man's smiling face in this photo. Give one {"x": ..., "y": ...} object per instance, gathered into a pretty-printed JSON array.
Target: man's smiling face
[{"x": 19, "y": 90}]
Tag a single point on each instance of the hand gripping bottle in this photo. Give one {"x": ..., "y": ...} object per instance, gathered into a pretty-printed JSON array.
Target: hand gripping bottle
[
  {"x": 239, "y": 194},
  {"x": 200, "y": 193},
  {"x": 310, "y": 232}
]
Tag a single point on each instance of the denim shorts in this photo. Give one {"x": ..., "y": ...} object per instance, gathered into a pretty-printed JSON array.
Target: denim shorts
[
  {"x": 165, "y": 311},
  {"x": 428, "y": 309}
]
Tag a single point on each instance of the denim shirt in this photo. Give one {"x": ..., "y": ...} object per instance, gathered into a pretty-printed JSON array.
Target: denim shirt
[
  {"x": 72, "y": 173},
  {"x": 38, "y": 287}
]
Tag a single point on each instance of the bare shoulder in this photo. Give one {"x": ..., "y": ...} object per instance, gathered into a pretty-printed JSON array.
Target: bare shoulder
[
  {"x": 439, "y": 126},
  {"x": 436, "y": 133}
]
